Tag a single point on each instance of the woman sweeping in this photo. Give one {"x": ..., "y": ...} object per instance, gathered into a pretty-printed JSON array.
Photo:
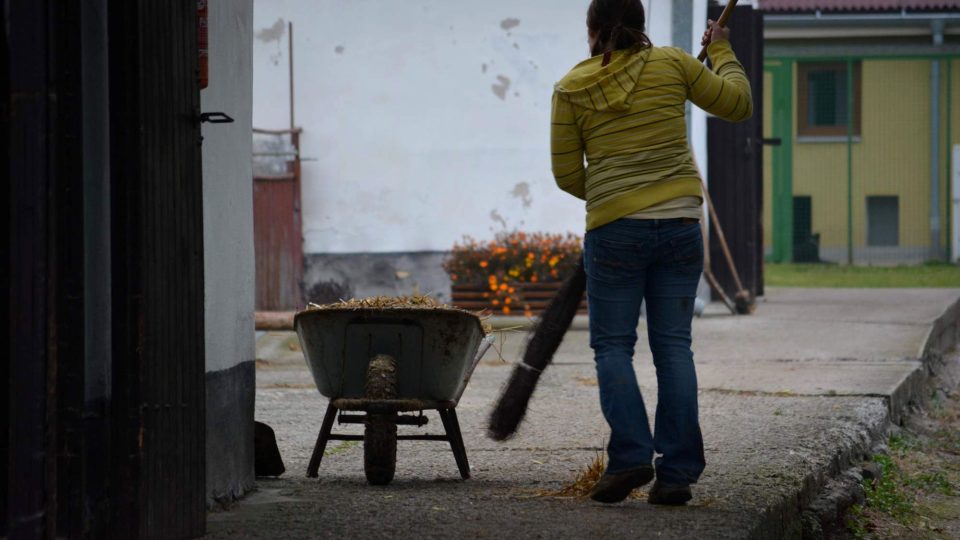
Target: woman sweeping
[{"x": 623, "y": 112}]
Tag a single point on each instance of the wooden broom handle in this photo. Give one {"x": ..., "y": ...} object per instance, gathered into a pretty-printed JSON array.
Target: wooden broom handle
[{"x": 722, "y": 21}]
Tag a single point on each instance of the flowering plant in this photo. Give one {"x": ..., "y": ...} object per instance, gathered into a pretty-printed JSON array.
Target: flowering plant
[{"x": 512, "y": 258}]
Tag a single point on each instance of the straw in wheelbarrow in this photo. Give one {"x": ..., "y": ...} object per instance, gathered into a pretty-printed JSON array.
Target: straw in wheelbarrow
[{"x": 544, "y": 341}]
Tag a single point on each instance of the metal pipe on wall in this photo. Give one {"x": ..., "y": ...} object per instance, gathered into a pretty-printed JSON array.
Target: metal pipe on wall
[
  {"x": 290, "y": 60},
  {"x": 936, "y": 27}
]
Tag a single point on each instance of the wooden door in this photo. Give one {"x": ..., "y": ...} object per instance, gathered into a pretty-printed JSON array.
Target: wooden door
[
  {"x": 735, "y": 164},
  {"x": 159, "y": 385}
]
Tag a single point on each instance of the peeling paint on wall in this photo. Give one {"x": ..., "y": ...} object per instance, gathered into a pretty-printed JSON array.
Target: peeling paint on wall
[
  {"x": 497, "y": 218},
  {"x": 522, "y": 191},
  {"x": 274, "y": 33},
  {"x": 500, "y": 89},
  {"x": 338, "y": 49},
  {"x": 509, "y": 23}
]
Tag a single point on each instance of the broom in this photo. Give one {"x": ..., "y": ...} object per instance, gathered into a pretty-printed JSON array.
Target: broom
[{"x": 545, "y": 338}]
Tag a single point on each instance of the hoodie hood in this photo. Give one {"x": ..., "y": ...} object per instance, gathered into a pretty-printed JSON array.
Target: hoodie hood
[{"x": 604, "y": 88}]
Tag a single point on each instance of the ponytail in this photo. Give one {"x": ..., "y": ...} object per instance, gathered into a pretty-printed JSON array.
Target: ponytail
[{"x": 617, "y": 24}]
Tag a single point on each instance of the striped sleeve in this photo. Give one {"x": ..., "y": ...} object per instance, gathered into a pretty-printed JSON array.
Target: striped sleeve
[
  {"x": 723, "y": 92},
  {"x": 566, "y": 146}
]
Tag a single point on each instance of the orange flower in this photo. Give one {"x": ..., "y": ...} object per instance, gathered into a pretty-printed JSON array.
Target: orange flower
[
  {"x": 495, "y": 302},
  {"x": 506, "y": 310}
]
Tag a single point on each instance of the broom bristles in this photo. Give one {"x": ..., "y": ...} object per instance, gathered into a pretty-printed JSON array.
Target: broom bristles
[{"x": 545, "y": 339}]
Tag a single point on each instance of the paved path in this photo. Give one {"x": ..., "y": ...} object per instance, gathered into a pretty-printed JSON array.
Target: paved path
[{"x": 789, "y": 396}]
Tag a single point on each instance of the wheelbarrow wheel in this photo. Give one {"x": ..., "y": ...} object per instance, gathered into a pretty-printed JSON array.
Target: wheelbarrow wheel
[{"x": 380, "y": 430}]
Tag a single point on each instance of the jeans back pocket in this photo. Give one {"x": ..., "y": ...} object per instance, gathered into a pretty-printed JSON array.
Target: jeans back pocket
[{"x": 614, "y": 261}]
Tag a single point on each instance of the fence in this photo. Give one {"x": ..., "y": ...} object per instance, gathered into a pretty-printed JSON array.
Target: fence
[{"x": 863, "y": 173}]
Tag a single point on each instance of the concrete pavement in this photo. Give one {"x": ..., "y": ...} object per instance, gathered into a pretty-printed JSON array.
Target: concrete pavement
[{"x": 789, "y": 397}]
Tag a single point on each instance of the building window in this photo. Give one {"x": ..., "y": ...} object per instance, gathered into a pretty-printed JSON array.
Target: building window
[
  {"x": 883, "y": 220},
  {"x": 822, "y": 99}
]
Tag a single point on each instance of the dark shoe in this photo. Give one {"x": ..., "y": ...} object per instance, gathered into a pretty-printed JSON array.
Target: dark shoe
[
  {"x": 613, "y": 488},
  {"x": 671, "y": 494}
]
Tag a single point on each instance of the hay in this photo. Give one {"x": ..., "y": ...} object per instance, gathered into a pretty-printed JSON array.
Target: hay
[
  {"x": 584, "y": 482},
  {"x": 414, "y": 301}
]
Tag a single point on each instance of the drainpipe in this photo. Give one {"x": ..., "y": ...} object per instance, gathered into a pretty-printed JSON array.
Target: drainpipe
[{"x": 937, "y": 30}]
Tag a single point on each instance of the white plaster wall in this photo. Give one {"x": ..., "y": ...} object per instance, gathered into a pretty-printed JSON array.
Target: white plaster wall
[
  {"x": 424, "y": 120},
  {"x": 228, "y": 188}
]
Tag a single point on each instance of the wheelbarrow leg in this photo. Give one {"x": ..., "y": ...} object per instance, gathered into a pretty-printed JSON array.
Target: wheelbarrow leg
[
  {"x": 452, "y": 427},
  {"x": 322, "y": 439}
]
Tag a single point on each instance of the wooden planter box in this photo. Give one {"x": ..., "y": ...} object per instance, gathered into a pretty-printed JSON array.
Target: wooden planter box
[{"x": 530, "y": 296}]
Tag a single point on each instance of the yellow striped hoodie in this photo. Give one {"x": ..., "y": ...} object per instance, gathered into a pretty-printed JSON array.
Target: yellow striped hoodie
[{"x": 628, "y": 119}]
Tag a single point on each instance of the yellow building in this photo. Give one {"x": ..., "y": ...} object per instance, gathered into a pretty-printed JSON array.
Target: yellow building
[{"x": 866, "y": 105}]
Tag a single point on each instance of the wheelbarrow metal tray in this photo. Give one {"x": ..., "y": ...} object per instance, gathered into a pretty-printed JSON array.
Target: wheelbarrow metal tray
[{"x": 434, "y": 349}]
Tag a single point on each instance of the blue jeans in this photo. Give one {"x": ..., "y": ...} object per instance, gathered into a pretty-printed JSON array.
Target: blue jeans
[{"x": 660, "y": 261}]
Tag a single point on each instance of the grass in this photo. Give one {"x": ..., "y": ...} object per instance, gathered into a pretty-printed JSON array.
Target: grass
[
  {"x": 916, "y": 495},
  {"x": 833, "y": 275}
]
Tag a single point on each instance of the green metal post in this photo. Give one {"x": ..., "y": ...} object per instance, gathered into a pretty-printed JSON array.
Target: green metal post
[
  {"x": 849, "y": 161},
  {"x": 783, "y": 161},
  {"x": 948, "y": 223}
]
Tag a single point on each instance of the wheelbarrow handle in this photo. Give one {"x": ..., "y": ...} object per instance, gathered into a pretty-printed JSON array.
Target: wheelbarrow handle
[{"x": 485, "y": 345}]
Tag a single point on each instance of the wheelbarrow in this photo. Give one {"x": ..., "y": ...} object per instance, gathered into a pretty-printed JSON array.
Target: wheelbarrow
[{"x": 386, "y": 362}]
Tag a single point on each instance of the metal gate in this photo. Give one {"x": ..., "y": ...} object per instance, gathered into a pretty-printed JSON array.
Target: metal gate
[{"x": 278, "y": 237}]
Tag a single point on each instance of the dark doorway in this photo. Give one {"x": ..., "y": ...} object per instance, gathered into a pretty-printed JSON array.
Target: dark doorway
[
  {"x": 806, "y": 244},
  {"x": 735, "y": 164}
]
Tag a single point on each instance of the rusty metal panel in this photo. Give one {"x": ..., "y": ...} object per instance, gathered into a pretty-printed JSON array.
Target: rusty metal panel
[
  {"x": 278, "y": 238},
  {"x": 276, "y": 243}
]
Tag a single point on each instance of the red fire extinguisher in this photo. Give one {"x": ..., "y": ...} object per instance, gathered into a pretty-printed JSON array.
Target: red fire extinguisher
[{"x": 203, "y": 42}]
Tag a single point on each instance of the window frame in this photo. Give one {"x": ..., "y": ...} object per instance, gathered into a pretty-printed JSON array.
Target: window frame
[{"x": 804, "y": 129}]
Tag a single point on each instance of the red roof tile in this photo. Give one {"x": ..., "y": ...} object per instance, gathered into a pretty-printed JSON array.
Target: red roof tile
[{"x": 857, "y": 5}]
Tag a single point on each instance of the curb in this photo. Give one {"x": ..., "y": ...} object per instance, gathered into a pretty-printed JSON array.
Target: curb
[{"x": 826, "y": 494}]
